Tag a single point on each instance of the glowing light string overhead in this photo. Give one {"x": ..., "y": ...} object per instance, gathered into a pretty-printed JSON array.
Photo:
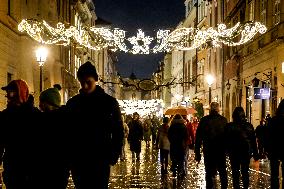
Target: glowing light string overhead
[
  {"x": 179, "y": 39},
  {"x": 142, "y": 107}
]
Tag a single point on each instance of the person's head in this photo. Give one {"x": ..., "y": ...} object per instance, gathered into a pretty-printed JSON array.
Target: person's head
[
  {"x": 214, "y": 107},
  {"x": 135, "y": 116},
  {"x": 166, "y": 120},
  {"x": 17, "y": 93},
  {"x": 50, "y": 99},
  {"x": 178, "y": 116},
  {"x": 239, "y": 115},
  {"x": 88, "y": 77}
]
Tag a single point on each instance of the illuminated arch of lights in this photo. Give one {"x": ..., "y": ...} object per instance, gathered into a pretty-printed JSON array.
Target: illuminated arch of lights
[
  {"x": 142, "y": 107},
  {"x": 166, "y": 41}
]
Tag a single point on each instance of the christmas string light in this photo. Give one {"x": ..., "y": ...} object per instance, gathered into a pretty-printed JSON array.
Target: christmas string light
[
  {"x": 142, "y": 107},
  {"x": 179, "y": 39}
]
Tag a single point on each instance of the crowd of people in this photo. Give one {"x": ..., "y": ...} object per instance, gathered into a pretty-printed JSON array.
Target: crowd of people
[
  {"x": 88, "y": 135},
  {"x": 217, "y": 138}
]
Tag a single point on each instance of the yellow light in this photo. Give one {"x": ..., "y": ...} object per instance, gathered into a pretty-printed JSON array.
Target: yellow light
[{"x": 41, "y": 55}]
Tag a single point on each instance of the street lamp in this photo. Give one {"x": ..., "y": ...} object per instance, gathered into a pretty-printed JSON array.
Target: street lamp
[
  {"x": 210, "y": 79},
  {"x": 41, "y": 54}
]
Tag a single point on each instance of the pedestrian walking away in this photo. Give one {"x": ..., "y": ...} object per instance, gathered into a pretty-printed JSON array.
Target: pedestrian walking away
[
  {"x": 177, "y": 135},
  {"x": 273, "y": 141},
  {"x": 211, "y": 135},
  {"x": 241, "y": 145}
]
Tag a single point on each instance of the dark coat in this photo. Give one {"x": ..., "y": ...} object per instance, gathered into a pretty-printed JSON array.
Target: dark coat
[
  {"x": 96, "y": 129},
  {"x": 211, "y": 134},
  {"x": 19, "y": 143},
  {"x": 177, "y": 135},
  {"x": 241, "y": 140},
  {"x": 274, "y": 137},
  {"x": 135, "y": 135}
]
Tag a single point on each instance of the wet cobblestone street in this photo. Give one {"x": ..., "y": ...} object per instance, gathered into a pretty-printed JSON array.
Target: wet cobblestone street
[{"x": 147, "y": 174}]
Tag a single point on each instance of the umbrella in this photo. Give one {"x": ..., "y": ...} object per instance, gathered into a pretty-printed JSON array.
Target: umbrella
[{"x": 180, "y": 110}]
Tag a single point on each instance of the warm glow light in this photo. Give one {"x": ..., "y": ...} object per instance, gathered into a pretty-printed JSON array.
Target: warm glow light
[
  {"x": 41, "y": 55},
  {"x": 142, "y": 107},
  {"x": 210, "y": 79},
  {"x": 180, "y": 39}
]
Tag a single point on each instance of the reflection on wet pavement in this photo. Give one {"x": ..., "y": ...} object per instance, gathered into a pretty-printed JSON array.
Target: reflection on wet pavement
[{"x": 147, "y": 174}]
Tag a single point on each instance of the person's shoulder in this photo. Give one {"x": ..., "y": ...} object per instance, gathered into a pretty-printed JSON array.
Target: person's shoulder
[{"x": 73, "y": 99}]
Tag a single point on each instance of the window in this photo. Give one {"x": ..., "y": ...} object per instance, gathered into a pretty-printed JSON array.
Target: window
[
  {"x": 276, "y": 16},
  {"x": 10, "y": 7},
  {"x": 77, "y": 65},
  {"x": 251, "y": 10},
  {"x": 263, "y": 4},
  {"x": 200, "y": 71},
  {"x": 69, "y": 61},
  {"x": 190, "y": 5},
  {"x": 201, "y": 11},
  {"x": 78, "y": 22}
]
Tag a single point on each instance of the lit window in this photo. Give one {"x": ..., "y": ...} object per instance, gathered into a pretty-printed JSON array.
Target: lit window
[
  {"x": 200, "y": 72},
  {"x": 263, "y": 5},
  {"x": 77, "y": 65},
  {"x": 251, "y": 10}
]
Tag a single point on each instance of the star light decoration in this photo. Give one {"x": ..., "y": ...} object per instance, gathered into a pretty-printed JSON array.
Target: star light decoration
[
  {"x": 140, "y": 43},
  {"x": 179, "y": 39}
]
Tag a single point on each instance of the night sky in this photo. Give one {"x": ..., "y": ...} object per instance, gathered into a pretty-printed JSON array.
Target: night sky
[{"x": 149, "y": 15}]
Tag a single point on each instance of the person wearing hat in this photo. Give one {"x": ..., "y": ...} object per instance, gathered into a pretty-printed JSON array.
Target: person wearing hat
[
  {"x": 51, "y": 157},
  {"x": 96, "y": 130},
  {"x": 18, "y": 123},
  {"x": 50, "y": 99}
]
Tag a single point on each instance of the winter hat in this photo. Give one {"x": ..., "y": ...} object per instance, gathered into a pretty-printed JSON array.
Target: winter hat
[
  {"x": 51, "y": 96},
  {"x": 22, "y": 89},
  {"x": 87, "y": 69}
]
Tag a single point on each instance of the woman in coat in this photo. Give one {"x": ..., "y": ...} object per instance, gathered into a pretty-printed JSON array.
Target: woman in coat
[
  {"x": 242, "y": 147},
  {"x": 164, "y": 144}
]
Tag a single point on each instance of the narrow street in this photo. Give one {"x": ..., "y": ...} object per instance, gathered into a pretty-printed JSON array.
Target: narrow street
[{"x": 146, "y": 173}]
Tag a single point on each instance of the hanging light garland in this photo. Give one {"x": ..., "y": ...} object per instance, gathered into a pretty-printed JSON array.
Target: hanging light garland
[
  {"x": 179, "y": 39},
  {"x": 142, "y": 107}
]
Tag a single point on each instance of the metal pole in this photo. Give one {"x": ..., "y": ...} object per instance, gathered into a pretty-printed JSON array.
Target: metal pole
[
  {"x": 209, "y": 95},
  {"x": 40, "y": 78}
]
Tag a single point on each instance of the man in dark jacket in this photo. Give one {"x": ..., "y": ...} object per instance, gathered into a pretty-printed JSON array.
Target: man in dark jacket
[
  {"x": 17, "y": 141},
  {"x": 274, "y": 139},
  {"x": 96, "y": 130},
  {"x": 211, "y": 134}
]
